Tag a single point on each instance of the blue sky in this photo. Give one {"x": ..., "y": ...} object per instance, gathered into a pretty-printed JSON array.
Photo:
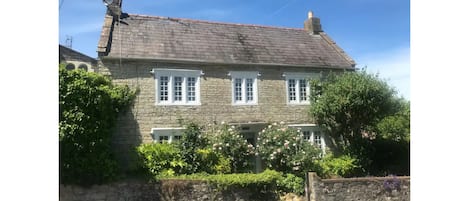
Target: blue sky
[{"x": 375, "y": 33}]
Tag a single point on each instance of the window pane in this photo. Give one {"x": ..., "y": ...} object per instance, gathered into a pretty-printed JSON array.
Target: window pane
[
  {"x": 317, "y": 139},
  {"x": 237, "y": 88},
  {"x": 292, "y": 90},
  {"x": 177, "y": 88},
  {"x": 249, "y": 89},
  {"x": 70, "y": 67},
  {"x": 83, "y": 66},
  {"x": 191, "y": 89},
  {"x": 163, "y": 138},
  {"x": 164, "y": 88},
  {"x": 303, "y": 96}
]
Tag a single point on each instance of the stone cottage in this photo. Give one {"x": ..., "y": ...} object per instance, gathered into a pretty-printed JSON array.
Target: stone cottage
[{"x": 213, "y": 72}]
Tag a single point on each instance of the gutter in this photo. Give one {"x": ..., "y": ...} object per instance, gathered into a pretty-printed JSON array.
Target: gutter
[{"x": 191, "y": 61}]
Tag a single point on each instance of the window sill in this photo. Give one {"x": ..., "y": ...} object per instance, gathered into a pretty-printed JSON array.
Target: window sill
[
  {"x": 294, "y": 104},
  {"x": 177, "y": 104},
  {"x": 244, "y": 104}
]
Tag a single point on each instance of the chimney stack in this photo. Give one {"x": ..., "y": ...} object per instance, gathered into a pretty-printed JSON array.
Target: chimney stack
[
  {"x": 114, "y": 7},
  {"x": 312, "y": 24}
]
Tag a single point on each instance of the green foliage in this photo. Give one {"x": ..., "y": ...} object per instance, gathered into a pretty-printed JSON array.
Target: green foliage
[
  {"x": 269, "y": 180},
  {"x": 364, "y": 119},
  {"x": 88, "y": 107},
  {"x": 244, "y": 180},
  {"x": 227, "y": 141},
  {"x": 348, "y": 104},
  {"x": 164, "y": 159},
  {"x": 290, "y": 183},
  {"x": 342, "y": 166},
  {"x": 283, "y": 149},
  {"x": 192, "y": 140},
  {"x": 396, "y": 127},
  {"x": 212, "y": 162}
]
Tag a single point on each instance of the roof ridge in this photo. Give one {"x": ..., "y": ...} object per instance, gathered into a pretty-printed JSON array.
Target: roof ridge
[{"x": 214, "y": 22}]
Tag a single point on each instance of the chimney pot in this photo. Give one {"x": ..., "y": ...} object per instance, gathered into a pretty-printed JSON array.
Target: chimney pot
[{"x": 310, "y": 15}]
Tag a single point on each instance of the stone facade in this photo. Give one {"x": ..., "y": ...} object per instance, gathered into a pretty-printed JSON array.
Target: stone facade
[
  {"x": 354, "y": 189},
  {"x": 134, "y": 127},
  {"x": 73, "y": 59},
  {"x": 165, "y": 190}
]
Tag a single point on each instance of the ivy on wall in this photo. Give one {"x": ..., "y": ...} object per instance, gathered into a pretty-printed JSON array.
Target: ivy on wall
[{"x": 88, "y": 107}]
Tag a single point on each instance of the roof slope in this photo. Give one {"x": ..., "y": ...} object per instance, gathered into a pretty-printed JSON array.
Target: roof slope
[
  {"x": 67, "y": 54},
  {"x": 162, "y": 38}
]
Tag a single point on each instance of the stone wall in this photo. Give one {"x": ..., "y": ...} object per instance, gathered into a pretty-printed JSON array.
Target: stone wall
[
  {"x": 363, "y": 189},
  {"x": 165, "y": 190},
  {"x": 134, "y": 127},
  {"x": 216, "y": 99},
  {"x": 350, "y": 189}
]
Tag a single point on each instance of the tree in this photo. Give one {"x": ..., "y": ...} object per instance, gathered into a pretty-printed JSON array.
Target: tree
[
  {"x": 396, "y": 127},
  {"x": 391, "y": 148},
  {"x": 348, "y": 105},
  {"x": 88, "y": 107},
  {"x": 355, "y": 109}
]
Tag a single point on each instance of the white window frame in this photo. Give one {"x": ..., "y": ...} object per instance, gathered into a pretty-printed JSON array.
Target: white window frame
[
  {"x": 314, "y": 131},
  {"x": 297, "y": 77},
  {"x": 244, "y": 76},
  {"x": 170, "y": 132},
  {"x": 172, "y": 74}
]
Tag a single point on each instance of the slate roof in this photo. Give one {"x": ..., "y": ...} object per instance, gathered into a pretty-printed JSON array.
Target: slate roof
[
  {"x": 67, "y": 54},
  {"x": 163, "y": 38}
]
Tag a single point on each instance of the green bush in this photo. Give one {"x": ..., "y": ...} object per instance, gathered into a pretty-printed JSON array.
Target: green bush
[
  {"x": 161, "y": 159},
  {"x": 342, "y": 166},
  {"x": 267, "y": 182},
  {"x": 290, "y": 183},
  {"x": 227, "y": 141},
  {"x": 244, "y": 180},
  {"x": 88, "y": 107},
  {"x": 166, "y": 160},
  {"x": 192, "y": 140},
  {"x": 212, "y": 162},
  {"x": 283, "y": 149}
]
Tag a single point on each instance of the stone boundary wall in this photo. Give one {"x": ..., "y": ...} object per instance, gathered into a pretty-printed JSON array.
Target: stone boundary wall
[
  {"x": 164, "y": 190},
  {"x": 363, "y": 189}
]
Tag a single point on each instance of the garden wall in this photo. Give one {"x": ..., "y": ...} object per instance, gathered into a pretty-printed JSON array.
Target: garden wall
[
  {"x": 165, "y": 190},
  {"x": 350, "y": 189},
  {"x": 363, "y": 189}
]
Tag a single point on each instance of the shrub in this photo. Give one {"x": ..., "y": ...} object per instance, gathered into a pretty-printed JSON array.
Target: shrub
[
  {"x": 212, "y": 162},
  {"x": 88, "y": 107},
  {"x": 290, "y": 183},
  {"x": 227, "y": 141},
  {"x": 245, "y": 180},
  {"x": 342, "y": 166},
  {"x": 283, "y": 149},
  {"x": 161, "y": 159},
  {"x": 191, "y": 140},
  {"x": 262, "y": 184}
]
